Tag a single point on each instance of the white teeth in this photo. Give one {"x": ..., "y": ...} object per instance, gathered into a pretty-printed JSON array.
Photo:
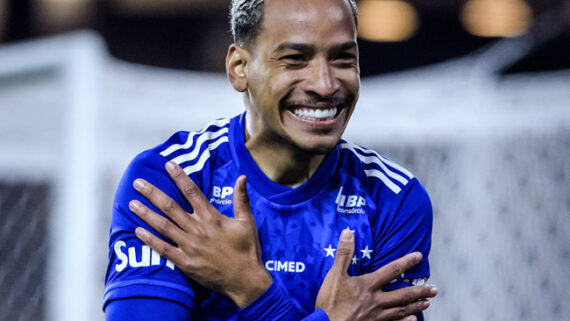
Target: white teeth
[{"x": 315, "y": 114}]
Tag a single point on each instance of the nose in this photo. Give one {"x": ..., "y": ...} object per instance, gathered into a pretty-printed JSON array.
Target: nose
[{"x": 321, "y": 80}]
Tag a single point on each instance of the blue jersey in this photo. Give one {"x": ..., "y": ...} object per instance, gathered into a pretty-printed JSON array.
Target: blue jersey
[{"x": 382, "y": 203}]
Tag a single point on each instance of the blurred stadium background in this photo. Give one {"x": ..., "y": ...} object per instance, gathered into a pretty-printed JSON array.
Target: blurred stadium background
[{"x": 473, "y": 96}]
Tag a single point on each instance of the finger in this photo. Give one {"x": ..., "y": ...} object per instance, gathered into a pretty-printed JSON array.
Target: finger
[
  {"x": 344, "y": 252},
  {"x": 393, "y": 270},
  {"x": 407, "y": 295},
  {"x": 406, "y": 312},
  {"x": 160, "y": 223},
  {"x": 242, "y": 208},
  {"x": 166, "y": 250},
  {"x": 189, "y": 189},
  {"x": 163, "y": 202}
]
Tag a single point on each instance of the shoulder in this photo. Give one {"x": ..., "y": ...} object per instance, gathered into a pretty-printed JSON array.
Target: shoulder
[
  {"x": 191, "y": 150},
  {"x": 377, "y": 171}
]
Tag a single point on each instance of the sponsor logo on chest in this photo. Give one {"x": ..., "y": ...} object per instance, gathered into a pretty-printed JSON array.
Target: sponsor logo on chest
[
  {"x": 222, "y": 195},
  {"x": 285, "y": 266},
  {"x": 349, "y": 203}
]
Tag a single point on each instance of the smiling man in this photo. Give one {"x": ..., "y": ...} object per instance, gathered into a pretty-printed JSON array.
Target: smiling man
[{"x": 322, "y": 229}]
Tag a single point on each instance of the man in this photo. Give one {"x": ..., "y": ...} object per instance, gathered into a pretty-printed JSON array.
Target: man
[{"x": 271, "y": 192}]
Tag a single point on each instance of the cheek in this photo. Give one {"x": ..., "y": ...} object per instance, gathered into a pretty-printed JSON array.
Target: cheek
[
  {"x": 267, "y": 94},
  {"x": 261, "y": 91},
  {"x": 351, "y": 79},
  {"x": 277, "y": 88}
]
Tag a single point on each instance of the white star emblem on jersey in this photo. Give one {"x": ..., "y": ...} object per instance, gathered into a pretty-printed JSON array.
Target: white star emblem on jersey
[
  {"x": 354, "y": 260},
  {"x": 366, "y": 252},
  {"x": 330, "y": 251}
]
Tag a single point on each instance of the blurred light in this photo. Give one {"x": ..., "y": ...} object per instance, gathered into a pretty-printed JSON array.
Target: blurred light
[
  {"x": 62, "y": 2},
  {"x": 496, "y": 18},
  {"x": 57, "y": 15},
  {"x": 386, "y": 20}
]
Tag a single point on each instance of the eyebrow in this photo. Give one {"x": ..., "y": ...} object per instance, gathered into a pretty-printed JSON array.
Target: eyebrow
[
  {"x": 345, "y": 46},
  {"x": 311, "y": 48},
  {"x": 294, "y": 46}
]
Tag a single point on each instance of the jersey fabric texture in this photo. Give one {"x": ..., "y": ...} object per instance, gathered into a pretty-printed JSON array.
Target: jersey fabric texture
[{"x": 384, "y": 205}]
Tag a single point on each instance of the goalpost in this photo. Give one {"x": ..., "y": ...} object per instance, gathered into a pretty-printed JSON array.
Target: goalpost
[
  {"x": 73, "y": 65},
  {"x": 70, "y": 120}
]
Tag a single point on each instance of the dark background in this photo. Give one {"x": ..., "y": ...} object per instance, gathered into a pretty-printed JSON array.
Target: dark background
[{"x": 194, "y": 34}]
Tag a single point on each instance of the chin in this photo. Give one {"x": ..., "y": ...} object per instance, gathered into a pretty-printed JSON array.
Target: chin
[{"x": 322, "y": 146}]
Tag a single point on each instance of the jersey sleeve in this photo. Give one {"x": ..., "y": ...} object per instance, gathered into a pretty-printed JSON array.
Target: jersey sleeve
[
  {"x": 273, "y": 304},
  {"x": 135, "y": 270},
  {"x": 406, "y": 229},
  {"x": 145, "y": 309}
]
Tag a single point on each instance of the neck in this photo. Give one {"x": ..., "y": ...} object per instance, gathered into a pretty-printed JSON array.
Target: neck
[{"x": 281, "y": 162}]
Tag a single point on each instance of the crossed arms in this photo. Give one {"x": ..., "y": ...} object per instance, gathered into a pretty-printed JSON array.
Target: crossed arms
[{"x": 223, "y": 255}]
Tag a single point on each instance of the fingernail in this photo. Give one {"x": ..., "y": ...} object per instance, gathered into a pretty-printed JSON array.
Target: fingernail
[
  {"x": 425, "y": 304},
  {"x": 433, "y": 290},
  {"x": 140, "y": 232},
  {"x": 134, "y": 205},
  {"x": 346, "y": 235},
  {"x": 139, "y": 184},
  {"x": 170, "y": 166},
  {"x": 411, "y": 318}
]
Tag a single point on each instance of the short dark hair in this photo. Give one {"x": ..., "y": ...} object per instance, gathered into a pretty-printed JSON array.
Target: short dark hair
[{"x": 246, "y": 17}]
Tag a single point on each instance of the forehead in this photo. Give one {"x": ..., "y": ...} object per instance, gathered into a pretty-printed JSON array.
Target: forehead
[{"x": 318, "y": 22}]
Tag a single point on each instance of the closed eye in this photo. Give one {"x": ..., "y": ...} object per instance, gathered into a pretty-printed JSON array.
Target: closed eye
[
  {"x": 295, "y": 60},
  {"x": 345, "y": 59}
]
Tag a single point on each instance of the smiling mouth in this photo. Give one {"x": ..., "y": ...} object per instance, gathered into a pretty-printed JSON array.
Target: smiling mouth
[{"x": 315, "y": 114}]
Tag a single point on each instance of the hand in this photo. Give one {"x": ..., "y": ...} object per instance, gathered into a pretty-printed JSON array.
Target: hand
[
  {"x": 360, "y": 297},
  {"x": 220, "y": 253}
]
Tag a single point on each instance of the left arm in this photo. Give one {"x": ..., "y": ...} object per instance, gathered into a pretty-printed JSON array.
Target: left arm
[{"x": 407, "y": 229}]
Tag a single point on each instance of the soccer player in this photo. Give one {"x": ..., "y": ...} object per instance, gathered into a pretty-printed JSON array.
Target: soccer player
[{"x": 288, "y": 221}]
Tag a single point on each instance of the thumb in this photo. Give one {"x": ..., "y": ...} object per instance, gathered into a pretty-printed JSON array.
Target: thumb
[
  {"x": 344, "y": 252},
  {"x": 242, "y": 210}
]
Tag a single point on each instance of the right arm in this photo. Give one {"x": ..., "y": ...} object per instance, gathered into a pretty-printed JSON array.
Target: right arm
[{"x": 136, "y": 273}]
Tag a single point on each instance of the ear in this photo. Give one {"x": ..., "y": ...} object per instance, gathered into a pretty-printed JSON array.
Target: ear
[{"x": 236, "y": 62}]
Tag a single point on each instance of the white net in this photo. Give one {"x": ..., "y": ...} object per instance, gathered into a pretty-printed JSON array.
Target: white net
[
  {"x": 500, "y": 247},
  {"x": 24, "y": 209}
]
